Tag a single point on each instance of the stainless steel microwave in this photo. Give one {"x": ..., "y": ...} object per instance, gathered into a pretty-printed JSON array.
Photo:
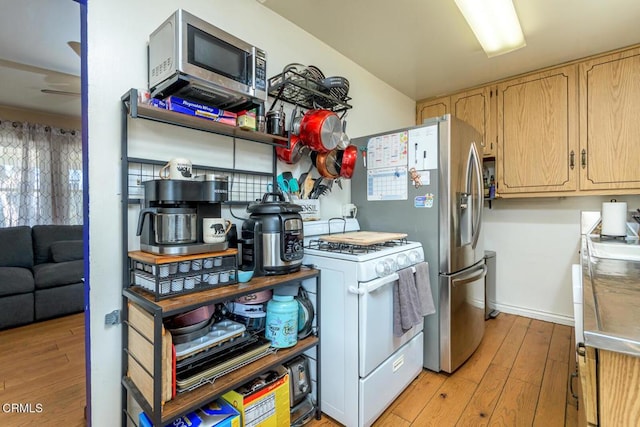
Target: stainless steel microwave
[{"x": 193, "y": 59}]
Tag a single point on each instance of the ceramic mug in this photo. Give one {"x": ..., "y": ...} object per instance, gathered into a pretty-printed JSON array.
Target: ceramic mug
[
  {"x": 177, "y": 168},
  {"x": 349, "y": 210},
  {"x": 214, "y": 230}
]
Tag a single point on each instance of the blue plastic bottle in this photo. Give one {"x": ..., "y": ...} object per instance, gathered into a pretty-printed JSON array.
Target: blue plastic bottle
[{"x": 282, "y": 321}]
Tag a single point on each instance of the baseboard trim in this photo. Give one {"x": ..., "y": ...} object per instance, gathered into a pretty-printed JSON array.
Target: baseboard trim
[{"x": 535, "y": 314}]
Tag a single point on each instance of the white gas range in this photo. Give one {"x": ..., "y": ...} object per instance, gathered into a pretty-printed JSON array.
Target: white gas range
[{"x": 363, "y": 365}]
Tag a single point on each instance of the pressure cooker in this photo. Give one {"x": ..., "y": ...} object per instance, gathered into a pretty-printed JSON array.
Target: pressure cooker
[{"x": 272, "y": 237}]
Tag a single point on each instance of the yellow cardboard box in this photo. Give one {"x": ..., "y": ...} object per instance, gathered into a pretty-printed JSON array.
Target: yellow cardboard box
[{"x": 264, "y": 401}]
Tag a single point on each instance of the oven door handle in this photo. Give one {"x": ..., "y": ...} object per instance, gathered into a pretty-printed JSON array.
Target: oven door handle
[{"x": 374, "y": 285}]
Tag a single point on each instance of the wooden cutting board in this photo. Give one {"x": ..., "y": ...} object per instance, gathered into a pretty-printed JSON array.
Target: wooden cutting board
[{"x": 364, "y": 238}]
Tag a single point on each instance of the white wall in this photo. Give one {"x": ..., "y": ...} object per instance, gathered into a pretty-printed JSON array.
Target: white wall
[
  {"x": 117, "y": 34},
  {"x": 536, "y": 241}
]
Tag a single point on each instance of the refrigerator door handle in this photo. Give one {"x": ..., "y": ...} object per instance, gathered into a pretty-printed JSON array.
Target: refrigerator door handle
[
  {"x": 477, "y": 208},
  {"x": 470, "y": 277}
]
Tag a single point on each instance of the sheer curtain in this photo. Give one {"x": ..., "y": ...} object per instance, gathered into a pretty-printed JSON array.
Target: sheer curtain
[{"x": 40, "y": 175}]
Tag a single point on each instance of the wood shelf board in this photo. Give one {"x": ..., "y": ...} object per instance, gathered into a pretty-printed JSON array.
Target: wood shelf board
[
  {"x": 150, "y": 112},
  {"x": 150, "y": 258},
  {"x": 180, "y": 303},
  {"x": 188, "y": 401}
]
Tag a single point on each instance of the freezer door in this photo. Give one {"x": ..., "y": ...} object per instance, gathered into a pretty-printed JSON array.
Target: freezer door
[
  {"x": 462, "y": 196},
  {"x": 461, "y": 315}
]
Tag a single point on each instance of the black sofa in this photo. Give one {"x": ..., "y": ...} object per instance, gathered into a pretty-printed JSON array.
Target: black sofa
[{"x": 41, "y": 272}]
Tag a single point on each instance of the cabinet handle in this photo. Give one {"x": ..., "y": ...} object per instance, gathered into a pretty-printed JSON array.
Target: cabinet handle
[
  {"x": 572, "y": 157},
  {"x": 573, "y": 376},
  {"x": 583, "y": 160}
]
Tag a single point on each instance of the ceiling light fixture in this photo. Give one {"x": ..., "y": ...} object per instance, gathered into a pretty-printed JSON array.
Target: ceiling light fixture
[{"x": 495, "y": 24}]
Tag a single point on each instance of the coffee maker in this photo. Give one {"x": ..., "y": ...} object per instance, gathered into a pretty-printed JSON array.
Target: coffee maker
[{"x": 170, "y": 222}]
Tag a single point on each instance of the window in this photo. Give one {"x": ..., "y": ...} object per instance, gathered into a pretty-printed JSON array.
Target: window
[{"x": 40, "y": 175}]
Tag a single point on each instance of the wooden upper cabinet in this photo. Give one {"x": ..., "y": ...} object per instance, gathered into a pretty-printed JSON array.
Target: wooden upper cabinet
[
  {"x": 538, "y": 133},
  {"x": 433, "y": 108},
  {"x": 610, "y": 121},
  {"x": 474, "y": 107}
]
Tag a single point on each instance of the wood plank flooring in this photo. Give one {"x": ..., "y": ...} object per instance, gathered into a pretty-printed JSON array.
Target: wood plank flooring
[
  {"x": 518, "y": 376},
  {"x": 42, "y": 368}
]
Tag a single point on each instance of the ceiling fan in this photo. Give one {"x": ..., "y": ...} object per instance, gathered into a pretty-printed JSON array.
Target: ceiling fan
[{"x": 71, "y": 80}]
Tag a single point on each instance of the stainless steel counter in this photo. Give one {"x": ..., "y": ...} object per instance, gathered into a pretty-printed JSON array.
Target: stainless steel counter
[{"x": 611, "y": 294}]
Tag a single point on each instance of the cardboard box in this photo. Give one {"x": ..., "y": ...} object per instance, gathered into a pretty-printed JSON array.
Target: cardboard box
[
  {"x": 159, "y": 103},
  {"x": 191, "y": 108},
  {"x": 218, "y": 413},
  {"x": 247, "y": 119},
  {"x": 267, "y": 405}
]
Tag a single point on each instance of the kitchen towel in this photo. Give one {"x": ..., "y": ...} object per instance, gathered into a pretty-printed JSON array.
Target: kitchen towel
[
  {"x": 423, "y": 285},
  {"x": 406, "y": 305}
]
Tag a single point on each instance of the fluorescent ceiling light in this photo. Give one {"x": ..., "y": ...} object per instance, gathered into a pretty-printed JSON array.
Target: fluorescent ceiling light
[{"x": 495, "y": 24}]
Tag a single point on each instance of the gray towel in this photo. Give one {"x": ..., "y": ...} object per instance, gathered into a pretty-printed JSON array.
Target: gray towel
[
  {"x": 424, "y": 289},
  {"x": 406, "y": 305}
]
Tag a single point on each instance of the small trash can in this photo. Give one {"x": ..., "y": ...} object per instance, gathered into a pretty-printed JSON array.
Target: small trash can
[{"x": 490, "y": 286}]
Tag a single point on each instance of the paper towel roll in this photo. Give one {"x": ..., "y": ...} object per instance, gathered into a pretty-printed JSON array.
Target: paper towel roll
[{"x": 614, "y": 218}]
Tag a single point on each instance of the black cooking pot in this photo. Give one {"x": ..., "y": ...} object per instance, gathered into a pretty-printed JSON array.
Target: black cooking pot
[{"x": 272, "y": 237}]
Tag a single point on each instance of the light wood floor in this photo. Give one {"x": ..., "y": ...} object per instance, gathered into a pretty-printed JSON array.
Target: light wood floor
[
  {"x": 43, "y": 364},
  {"x": 517, "y": 377}
]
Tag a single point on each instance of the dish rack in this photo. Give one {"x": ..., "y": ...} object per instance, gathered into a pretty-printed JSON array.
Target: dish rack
[
  {"x": 303, "y": 88},
  {"x": 167, "y": 276}
]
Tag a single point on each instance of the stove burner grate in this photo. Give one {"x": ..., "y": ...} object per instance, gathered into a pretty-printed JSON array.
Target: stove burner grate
[{"x": 350, "y": 248}]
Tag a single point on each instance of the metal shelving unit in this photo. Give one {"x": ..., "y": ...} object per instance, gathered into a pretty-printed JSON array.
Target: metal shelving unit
[
  {"x": 191, "y": 400},
  {"x": 160, "y": 413}
]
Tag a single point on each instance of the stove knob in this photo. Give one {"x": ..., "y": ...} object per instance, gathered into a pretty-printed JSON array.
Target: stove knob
[
  {"x": 414, "y": 257},
  {"x": 382, "y": 269},
  {"x": 392, "y": 265},
  {"x": 402, "y": 260}
]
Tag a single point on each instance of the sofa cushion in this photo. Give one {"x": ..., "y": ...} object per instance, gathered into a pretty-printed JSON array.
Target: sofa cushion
[
  {"x": 15, "y": 280},
  {"x": 45, "y": 235},
  {"x": 55, "y": 274},
  {"x": 59, "y": 301},
  {"x": 67, "y": 250},
  {"x": 16, "y": 249},
  {"x": 16, "y": 310}
]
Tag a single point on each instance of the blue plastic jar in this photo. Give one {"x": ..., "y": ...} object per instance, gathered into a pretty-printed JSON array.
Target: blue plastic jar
[{"x": 282, "y": 321}]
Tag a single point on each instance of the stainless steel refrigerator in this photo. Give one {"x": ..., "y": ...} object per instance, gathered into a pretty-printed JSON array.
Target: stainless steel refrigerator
[{"x": 426, "y": 181}]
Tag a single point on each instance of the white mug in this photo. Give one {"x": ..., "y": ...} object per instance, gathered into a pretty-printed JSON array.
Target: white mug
[
  {"x": 214, "y": 230},
  {"x": 177, "y": 168},
  {"x": 349, "y": 210}
]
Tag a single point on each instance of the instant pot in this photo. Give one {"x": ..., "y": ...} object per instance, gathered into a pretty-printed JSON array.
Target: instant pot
[{"x": 272, "y": 237}]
